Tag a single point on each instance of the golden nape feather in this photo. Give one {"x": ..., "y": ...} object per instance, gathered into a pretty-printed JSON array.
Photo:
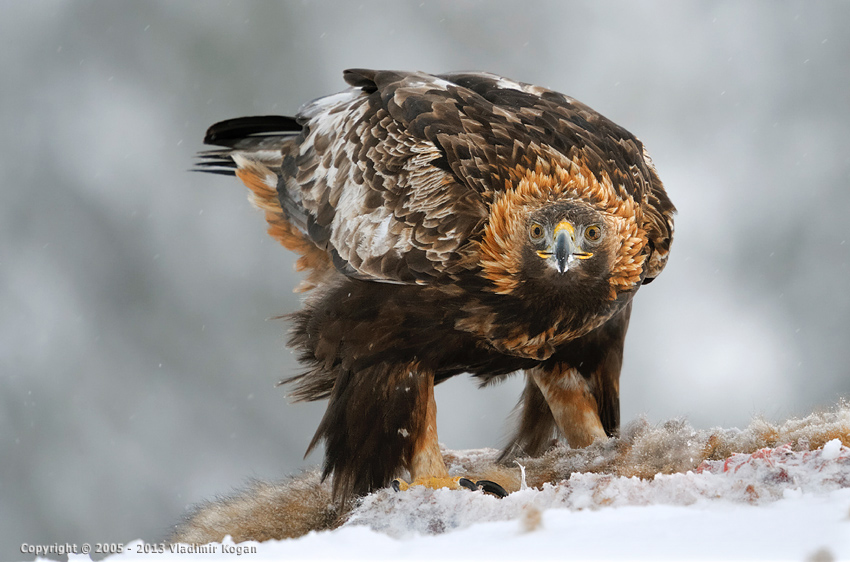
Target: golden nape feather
[{"x": 448, "y": 224}]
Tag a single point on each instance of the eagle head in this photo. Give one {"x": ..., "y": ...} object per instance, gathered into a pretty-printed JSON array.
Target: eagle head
[
  {"x": 563, "y": 236},
  {"x": 564, "y": 257}
]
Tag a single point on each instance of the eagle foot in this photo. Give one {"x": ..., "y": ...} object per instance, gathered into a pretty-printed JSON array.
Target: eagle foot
[
  {"x": 486, "y": 486},
  {"x": 433, "y": 482},
  {"x": 455, "y": 483}
]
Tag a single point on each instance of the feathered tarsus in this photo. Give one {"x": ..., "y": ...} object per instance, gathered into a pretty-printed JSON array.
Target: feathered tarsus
[{"x": 460, "y": 223}]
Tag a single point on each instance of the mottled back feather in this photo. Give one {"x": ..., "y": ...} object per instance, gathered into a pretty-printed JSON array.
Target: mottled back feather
[{"x": 394, "y": 177}]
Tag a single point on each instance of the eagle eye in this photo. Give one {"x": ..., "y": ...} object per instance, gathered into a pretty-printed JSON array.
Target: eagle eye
[
  {"x": 593, "y": 233},
  {"x": 536, "y": 231}
]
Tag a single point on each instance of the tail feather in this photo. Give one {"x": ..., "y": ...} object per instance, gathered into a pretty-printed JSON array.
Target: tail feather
[
  {"x": 215, "y": 162},
  {"x": 253, "y": 152},
  {"x": 235, "y": 133},
  {"x": 261, "y": 138}
]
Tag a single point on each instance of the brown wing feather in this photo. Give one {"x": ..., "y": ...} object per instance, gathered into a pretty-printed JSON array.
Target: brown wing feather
[
  {"x": 377, "y": 194},
  {"x": 658, "y": 215},
  {"x": 394, "y": 178}
]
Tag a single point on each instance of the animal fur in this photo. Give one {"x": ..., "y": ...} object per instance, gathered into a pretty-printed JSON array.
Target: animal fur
[{"x": 300, "y": 504}]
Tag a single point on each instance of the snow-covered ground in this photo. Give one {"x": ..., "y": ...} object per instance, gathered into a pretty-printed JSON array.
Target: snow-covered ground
[
  {"x": 800, "y": 526},
  {"x": 773, "y": 504}
]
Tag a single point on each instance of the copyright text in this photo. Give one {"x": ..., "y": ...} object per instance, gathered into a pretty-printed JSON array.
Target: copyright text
[{"x": 137, "y": 547}]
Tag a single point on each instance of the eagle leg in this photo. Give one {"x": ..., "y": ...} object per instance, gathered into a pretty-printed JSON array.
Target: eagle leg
[
  {"x": 426, "y": 460},
  {"x": 426, "y": 465},
  {"x": 379, "y": 422},
  {"x": 576, "y": 391},
  {"x": 571, "y": 402},
  {"x": 537, "y": 427}
]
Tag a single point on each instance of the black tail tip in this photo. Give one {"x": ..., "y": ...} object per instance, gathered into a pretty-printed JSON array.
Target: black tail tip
[{"x": 230, "y": 131}]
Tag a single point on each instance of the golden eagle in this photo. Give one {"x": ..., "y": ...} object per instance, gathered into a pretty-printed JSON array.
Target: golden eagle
[{"x": 453, "y": 223}]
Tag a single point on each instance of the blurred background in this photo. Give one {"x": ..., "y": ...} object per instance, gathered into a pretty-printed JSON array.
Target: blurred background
[{"x": 138, "y": 349}]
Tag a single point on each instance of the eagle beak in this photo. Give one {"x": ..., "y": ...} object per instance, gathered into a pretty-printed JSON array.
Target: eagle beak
[
  {"x": 566, "y": 249},
  {"x": 562, "y": 251}
]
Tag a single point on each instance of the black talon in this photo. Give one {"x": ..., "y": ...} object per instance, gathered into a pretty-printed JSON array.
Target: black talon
[
  {"x": 396, "y": 485},
  {"x": 486, "y": 486},
  {"x": 467, "y": 483},
  {"x": 490, "y": 487}
]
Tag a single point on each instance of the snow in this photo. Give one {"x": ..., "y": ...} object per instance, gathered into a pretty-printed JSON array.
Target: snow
[
  {"x": 797, "y": 527},
  {"x": 832, "y": 449},
  {"x": 775, "y": 503}
]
